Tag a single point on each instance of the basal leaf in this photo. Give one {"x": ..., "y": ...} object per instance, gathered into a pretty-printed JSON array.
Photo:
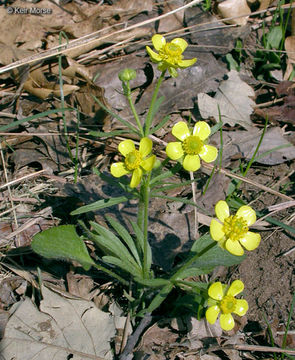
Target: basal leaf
[
  {"x": 215, "y": 256},
  {"x": 125, "y": 236},
  {"x": 62, "y": 242}
]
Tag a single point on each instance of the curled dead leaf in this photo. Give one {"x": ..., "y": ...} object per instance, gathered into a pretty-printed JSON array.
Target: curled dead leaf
[
  {"x": 236, "y": 10},
  {"x": 39, "y": 86}
]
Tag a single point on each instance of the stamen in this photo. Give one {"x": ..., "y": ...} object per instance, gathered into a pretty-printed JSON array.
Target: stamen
[
  {"x": 192, "y": 145},
  {"x": 235, "y": 227},
  {"x": 171, "y": 52},
  {"x": 133, "y": 160},
  {"x": 228, "y": 304}
]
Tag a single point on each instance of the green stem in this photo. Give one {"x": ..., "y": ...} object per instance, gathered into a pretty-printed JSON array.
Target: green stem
[
  {"x": 150, "y": 114},
  {"x": 140, "y": 212},
  {"x": 132, "y": 107},
  {"x": 146, "y": 198},
  {"x": 192, "y": 260},
  {"x": 111, "y": 273}
]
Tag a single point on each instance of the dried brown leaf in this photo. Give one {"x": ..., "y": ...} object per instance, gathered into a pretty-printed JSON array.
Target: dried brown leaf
[
  {"x": 39, "y": 86},
  {"x": 234, "y": 8}
]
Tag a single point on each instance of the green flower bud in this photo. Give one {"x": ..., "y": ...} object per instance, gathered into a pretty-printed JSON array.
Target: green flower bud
[
  {"x": 127, "y": 75},
  {"x": 157, "y": 164}
]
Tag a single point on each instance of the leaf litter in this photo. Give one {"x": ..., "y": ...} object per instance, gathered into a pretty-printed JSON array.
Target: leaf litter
[{"x": 208, "y": 76}]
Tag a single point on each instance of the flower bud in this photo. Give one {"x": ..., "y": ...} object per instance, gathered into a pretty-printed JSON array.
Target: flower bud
[
  {"x": 157, "y": 164},
  {"x": 127, "y": 75}
]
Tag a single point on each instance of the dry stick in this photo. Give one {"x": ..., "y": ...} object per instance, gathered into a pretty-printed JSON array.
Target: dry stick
[
  {"x": 9, "y": 191},
  {"x": 93, "y": 37},
  {"x": 234, "y": 176},
  {"x": 133, "y": 339},
  {"x": 81, "y": 42},
  {"x": 248, "y": 181},
  {"x": 258, "y": 348},
  {"x": 37, "y": 173}
]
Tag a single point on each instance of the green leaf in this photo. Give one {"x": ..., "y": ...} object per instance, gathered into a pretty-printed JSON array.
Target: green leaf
[
  {"x": 274, "y": 37},
  {"x": 100, "y": 204},
  {"x": 160, "y": 297},
  {"x": 233, "y": 65},
  {"x": 165, "y": 175},
  {"x": 140, "y": 240},
  {"x": 108, "y": 134},
  {"x": 36, "y": 116},
  {"x": 113, "y": 244},
  {"x": 194, "y": 271},
  {"x": 62, "y": 242},
  {"x": 215, "y": 256},
  {"x": 116, "y": 116},
  {"x": 152, "y": 282},
  {"x": 125, "y": 236},
  {"x": 122, "y": 265},
  {"x": 138, "y": 234},
  {"x": 178, "y": 199},
  {"x": 167, "y": 186},
  {"x": 160, "y": 125},
  {"x": 157, "y": 105}
]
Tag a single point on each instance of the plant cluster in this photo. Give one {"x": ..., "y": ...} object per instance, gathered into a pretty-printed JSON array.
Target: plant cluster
[{"x": 127, "y": 255}]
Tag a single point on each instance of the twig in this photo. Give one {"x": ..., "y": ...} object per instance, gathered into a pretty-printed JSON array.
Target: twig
[
  {"x": 13, "y": 182},
  {"x": 9, "y": 190},
  {"x": 133, "y": 339}
]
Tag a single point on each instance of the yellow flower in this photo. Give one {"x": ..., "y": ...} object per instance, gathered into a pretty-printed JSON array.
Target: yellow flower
[
  {"x": 192, "y": 145},
  {"x": 169, "y": 54},
  {"x": 233, "y": 232},
  {"x": 223, "y": 301},
  {"x": 136, "y": 161}
]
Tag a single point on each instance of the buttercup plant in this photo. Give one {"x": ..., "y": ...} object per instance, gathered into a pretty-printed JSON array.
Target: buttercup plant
[{"x": 124, "y": 253}]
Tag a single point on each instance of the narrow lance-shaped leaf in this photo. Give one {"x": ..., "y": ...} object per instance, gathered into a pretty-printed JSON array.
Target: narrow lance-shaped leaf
[{"x": 100, "y": 204}]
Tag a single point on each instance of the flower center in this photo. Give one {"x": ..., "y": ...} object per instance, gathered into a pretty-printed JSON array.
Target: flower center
[
  {"x": 228, "y": 304},
  {"x": 235, "y": 227},
  {"x": 171, "y": 52},
  {"x": 133, "y": 160},
  {"x": 192, "y": 145}
]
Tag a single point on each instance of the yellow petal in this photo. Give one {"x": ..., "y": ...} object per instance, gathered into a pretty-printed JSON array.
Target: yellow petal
[
  {"x": 186, "y": 63},
  {"x": 174, "y": 150},
  {"x": 235, "y": 288},
  {"x": 241, "y": 307},
  {"x": 215, "y": 291},
  {"x": 145, "y": 146},
  {"x": 222, "y": 210},
  {"x": 148, "y": 163},
  {"x": 202, "y": 130},
  {"x": 180, "y": 130},
  {"x": 208, "y": 153},
  {"x": 227, "y": 322},
  {"x": 180, "y": 42},
  {"x": 248, "y": 214},
  {"x": 191, "y": 163},
  {"x": 126, "y": 146},
  {"x": 118, "y": 169},
  {"x": 234, "y": 247},
  {"x": 212, "y": 314},
  {"x": 153, "y": 55},
  {"x": 216, "y": 231},
  {"x": 158, "y": 41},
  {"x": 136, "y": 178},
  {"x": 250, "y": 241}
]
